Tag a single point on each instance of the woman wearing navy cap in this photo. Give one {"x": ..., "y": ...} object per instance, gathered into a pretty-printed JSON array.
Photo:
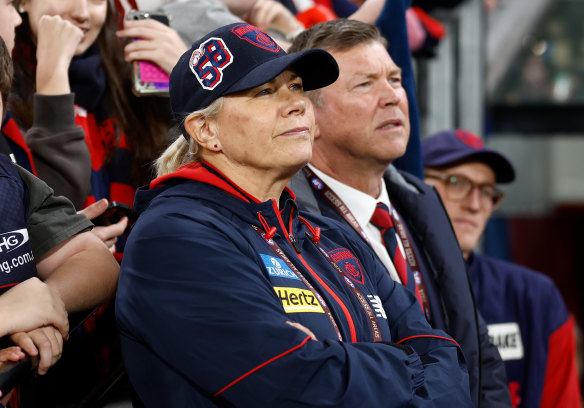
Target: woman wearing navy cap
[{"x": 227, "y": 297}]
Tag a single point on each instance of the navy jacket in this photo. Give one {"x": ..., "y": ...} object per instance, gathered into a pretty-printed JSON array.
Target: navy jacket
[
  {"x": 445, "y": 276},
  {"x": 529, "y": 322},
  {"x": 203, "y": 303}
]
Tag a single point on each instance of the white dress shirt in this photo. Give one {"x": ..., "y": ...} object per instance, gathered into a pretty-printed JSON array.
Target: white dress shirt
[{"x": 362, "y": 207}]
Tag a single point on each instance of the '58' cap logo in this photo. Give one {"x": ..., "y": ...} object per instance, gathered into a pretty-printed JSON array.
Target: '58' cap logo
[{"x": 208, "y": 62}]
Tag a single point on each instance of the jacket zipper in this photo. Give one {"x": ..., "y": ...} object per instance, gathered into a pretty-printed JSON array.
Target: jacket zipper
[{"x": 322, "y": 283}]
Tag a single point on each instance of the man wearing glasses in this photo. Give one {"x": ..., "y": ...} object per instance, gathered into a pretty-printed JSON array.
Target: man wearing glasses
[{"x": 524, "y": 311}]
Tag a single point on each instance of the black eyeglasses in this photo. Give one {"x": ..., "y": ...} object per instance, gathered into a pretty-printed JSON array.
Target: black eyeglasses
[{"x": 459, "y": 187}]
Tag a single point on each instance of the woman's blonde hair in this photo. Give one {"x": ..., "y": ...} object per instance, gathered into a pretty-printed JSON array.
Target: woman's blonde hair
[{"x": 181, "y": 152}]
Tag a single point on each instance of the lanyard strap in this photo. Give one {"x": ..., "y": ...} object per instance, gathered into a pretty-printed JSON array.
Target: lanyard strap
[
  {"x": 358, "y": 294},
  {"x": 280, "y": 253},
  {"x": 412, "y": 259},
  {"x": 335, "y": 201}
]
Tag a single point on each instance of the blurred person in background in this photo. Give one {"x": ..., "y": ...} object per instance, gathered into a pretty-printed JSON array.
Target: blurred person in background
[
  {"x": 12, "y": 142},
  {"x": 70, "y": 70},
  {"x": 191, "y": 19},
  {"x": 526, "y": 315}
]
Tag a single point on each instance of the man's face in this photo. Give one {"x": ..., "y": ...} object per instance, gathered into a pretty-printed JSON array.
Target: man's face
[
  {"x": 363, "y": 116},
  {"x": 469, "y": 215}
]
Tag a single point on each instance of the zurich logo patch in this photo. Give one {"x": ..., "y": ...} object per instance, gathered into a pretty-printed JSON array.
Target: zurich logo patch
[
  {"x": 278, "y": 268},
  {"x": 348, "y": 263},
  {"x": 255, "y": 36},
  {"x": 317, "y": 184},
  {"x": 208, "y": 62}
]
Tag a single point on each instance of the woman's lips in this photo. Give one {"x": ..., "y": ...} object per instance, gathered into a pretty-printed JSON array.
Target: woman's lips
[{"x": 296, "y": 131}]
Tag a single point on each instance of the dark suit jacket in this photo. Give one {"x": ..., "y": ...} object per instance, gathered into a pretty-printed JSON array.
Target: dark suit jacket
[{"x": 445, "y": 274}]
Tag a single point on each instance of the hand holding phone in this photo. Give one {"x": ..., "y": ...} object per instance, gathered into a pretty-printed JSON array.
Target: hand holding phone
[
  {"x": 108, "y": 234},
  {"x": 113, "y": 214},
  {"x": 154, "y": 50}
]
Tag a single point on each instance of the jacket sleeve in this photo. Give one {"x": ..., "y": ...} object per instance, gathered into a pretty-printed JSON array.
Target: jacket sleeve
[
  {"x": 445, "y": 375},
  {"x": 561, "y": 387},
  {"x": 58, "y": 147},
  {"x": 199, "y": 298},
  {"x": 494, "y": 392},
  {"x": 51, "y": 219}
]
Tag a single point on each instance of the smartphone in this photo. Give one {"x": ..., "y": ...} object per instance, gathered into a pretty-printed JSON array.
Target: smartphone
[
  {"x": 149, "y": 78},
  {"x": 114, "y": 213}
]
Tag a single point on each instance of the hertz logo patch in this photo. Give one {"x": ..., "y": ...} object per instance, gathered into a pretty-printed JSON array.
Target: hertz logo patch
[{"x": 295, "y": 300}]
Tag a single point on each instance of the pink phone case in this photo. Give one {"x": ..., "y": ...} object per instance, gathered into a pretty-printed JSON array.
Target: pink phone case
[{"x": 150, "y": 72}]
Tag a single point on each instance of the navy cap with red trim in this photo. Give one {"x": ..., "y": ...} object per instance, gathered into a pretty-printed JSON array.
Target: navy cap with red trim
[
  {"x": 235, "y": 58},
  {"x": 451, "y": 147}
]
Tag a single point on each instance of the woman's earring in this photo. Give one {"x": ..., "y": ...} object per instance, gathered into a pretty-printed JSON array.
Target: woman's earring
[
  {"x": 21, "y": 9},
  {"x": 215, "y": 146}
]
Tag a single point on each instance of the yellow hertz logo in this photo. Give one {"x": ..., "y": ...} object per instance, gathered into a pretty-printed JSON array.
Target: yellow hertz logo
[{"x": 297, "y": 300}]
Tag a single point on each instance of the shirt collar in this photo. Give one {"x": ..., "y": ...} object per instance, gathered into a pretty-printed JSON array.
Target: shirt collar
[{"x": 360, "y": 204}]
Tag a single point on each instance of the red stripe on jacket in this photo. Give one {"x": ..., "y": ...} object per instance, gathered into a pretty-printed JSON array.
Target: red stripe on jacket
[{"x": 561, "y": 386}]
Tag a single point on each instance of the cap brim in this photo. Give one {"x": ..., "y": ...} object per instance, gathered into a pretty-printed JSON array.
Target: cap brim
[
  {"x": 316, "y": 67},
  {"x": 503, "y": 169}
]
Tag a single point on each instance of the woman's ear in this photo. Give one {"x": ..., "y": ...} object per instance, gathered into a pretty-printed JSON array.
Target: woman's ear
[{"x": 203, "y": 130}]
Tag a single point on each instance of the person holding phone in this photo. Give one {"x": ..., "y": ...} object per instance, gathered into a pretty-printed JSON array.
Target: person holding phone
[
  {"x": 69, "y": 70},
  {"x": 153, "y": 39},
  {"x": 12, "y": 141}
]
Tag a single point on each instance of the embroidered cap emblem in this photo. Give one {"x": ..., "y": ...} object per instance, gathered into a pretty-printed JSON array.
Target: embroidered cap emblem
[
  {"x": 208, "y": 62},
  {"x": 470, "y": 139},
  {"x": 255, "y": 36}
]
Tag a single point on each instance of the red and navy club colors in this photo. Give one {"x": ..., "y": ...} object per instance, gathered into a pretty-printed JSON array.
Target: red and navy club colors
[{"x": 235, "y": 58}]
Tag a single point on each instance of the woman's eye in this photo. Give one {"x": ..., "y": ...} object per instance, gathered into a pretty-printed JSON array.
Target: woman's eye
[
  {"x": 262, "y": 92},
  {"x": 297, "y": 86}
]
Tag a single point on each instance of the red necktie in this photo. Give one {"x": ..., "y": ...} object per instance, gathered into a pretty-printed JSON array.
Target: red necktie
[{"x": 382, "y": 219}]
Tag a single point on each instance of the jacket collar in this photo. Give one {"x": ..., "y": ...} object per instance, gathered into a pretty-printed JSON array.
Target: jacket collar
[
  {"x": 206, "y": 173},
  {"x": 214, "y": 185}
]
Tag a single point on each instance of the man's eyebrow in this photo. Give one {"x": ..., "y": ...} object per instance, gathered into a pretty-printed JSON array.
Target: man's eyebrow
[{"x": 395, "y": 71}]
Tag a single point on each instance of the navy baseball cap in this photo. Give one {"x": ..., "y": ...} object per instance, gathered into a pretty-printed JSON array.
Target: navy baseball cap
[
  {"x": 450, "y": 147},
  {"x": 235, "y": 58}
]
